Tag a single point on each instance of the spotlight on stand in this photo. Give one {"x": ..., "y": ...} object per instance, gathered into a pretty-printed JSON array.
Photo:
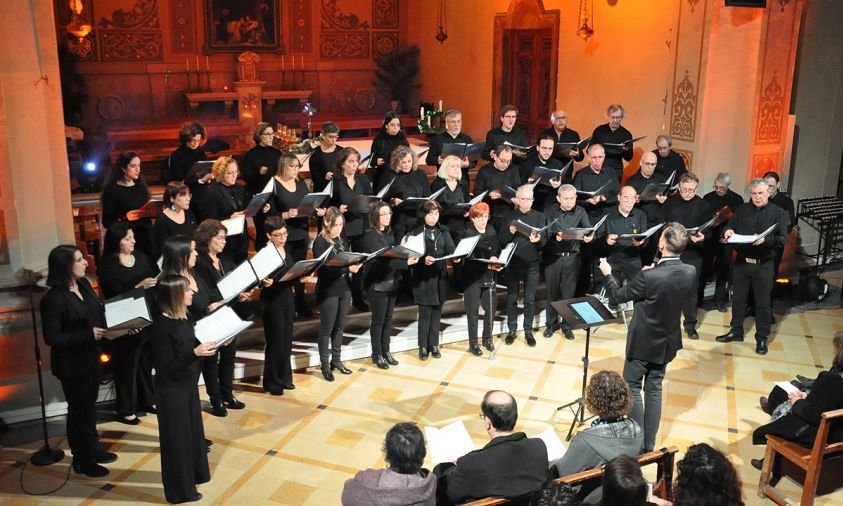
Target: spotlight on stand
[{"x": 89, "y": 177}]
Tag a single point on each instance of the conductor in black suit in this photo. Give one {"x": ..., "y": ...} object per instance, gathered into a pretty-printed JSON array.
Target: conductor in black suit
[
  {"x": 510, "y": 465},
  {"x": 654, "y": 335}
]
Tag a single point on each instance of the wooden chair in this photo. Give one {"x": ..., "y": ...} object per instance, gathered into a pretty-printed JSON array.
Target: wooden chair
[
  {"x": 663, "y": 488},
  {"x": 809, "y": 460}
]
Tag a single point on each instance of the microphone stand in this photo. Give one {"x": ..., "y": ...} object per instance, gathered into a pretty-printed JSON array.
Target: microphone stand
[{"x": 47, "y": 455}]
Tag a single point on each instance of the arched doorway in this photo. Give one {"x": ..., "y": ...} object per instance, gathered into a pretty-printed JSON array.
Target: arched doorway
[{"x": 525, "y": 63}]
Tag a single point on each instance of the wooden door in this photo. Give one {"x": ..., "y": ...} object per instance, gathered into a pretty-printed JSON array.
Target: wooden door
[{"x": 527, "y": 77}]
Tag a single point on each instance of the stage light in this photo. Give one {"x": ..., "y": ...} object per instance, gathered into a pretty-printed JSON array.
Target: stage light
[{"x": 89, "y": 177}]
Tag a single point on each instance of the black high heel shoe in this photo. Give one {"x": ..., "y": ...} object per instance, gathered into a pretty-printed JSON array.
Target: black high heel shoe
[
  {"x": 326, "y": 372},
  {"x": 338, "y": 365},
  {"x": 380, "y": 362}
]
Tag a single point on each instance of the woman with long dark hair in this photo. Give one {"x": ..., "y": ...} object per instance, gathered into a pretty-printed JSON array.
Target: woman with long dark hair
[
  {"x": 390, "y": 136},
  {"x": 381, "y": 278},
  {"x": 212, "y": 266},
  {"x": 428, "y": 278},
  {"x": 348, "y": 184},
  {"x": 279, "y": 312},
  {"x": 126, "y": 191},
  {"x": 479, "y": 277},
  {"x": 332, "y": 294},
  {"x": 121, "y": 270},
  {"x": 73, "y": 322},
  {"x": 177, "y": 355}
]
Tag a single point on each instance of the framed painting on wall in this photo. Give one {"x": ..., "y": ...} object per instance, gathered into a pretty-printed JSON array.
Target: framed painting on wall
[{"x": 242, "y": 25}]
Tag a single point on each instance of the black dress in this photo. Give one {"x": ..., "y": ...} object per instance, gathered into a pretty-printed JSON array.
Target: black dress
[
  {"x": 407, "y": 184},
  {"x": 279, "y": 312},
  {"x": 117, "y": 200},
  {"x": 221, "y": 202},
  {"x": 184, "y": 458},
  {"x": 429, "y": 283},
  {"x": 68, "y": 323},
  {"x": 132, "y": 359},
  {"x": 381, "y": 279},
  {"x": 165, "y": 227},
  {"x": 452, "y": 217},
  {"x": 382, "y": 147},
  {"x": 334, "y": 297},
  {"x": 253, "y": 160},
  {"x": 322, "y": 163},
  {"x": 181, "y": 160},
  {"x": 282, "y": 201}
]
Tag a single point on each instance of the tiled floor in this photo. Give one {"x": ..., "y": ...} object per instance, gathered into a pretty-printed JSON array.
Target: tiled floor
[{"x": 300, "y": 448}]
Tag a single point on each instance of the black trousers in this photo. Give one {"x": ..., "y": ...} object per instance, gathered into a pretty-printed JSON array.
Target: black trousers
[
  {"x": 356, "y": 281},
  {"x": 218, "y": 372},
  {"x": 689, "y": 309},
  {"x": 429, "y": 319},
  {"x": 298, "y": 251},
  {"x": 513, "y": 283},
  {"x": 278, "y": 333},
  {"x": 382, "y": 305},
  {"x": 623, "y": 267},
  {"x": 81, "y": 392},
  {"x": 759, "y": 279},
  {"x": 332, "y": 314},
  {"x": 560, "y": 276},
  {"x": 718, "y": 258},
  {"x": 474, "y": 296}
]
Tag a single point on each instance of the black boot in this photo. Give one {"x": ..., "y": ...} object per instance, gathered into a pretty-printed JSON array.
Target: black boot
[
  {"x": 380, "y": 362},
  {"x": 389, "y": 358},
  {"x": 326, "y": 372},
  {"x": 338, "y": 365}
]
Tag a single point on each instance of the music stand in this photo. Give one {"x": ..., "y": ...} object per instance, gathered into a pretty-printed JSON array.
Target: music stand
[{"x": 582, "y": 313}]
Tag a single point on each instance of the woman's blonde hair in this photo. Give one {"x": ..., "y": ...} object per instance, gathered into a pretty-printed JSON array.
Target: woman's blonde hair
[
  {"x": 450, "y": 159},
  {"x": 170, "y": 292},
  {"x": 398, "y": 154},
  {"x": 332, "y": 214},
  {"x": 220, "y": 165}
]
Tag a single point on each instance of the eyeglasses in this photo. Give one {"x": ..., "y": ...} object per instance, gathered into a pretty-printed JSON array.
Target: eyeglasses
[
  {"x": 387, "y": 213},
  {"x": 505, "y": 162},
  {"x": 686, "y": 191},
  {"x": 266, "y": 133},
  {"x": 294, "y": 166},
  {"x": 524, "y": 198},
  {"x": 482, "y": 217},
  {"x": 279, "y": 235}
]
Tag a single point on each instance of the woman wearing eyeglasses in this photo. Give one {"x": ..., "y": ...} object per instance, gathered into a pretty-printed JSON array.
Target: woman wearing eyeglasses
[
  {"x": 332, "y": 293},
  {"x": 258, "y": 165},
  {"x": 226, "y": 198},
  {"x": 381, "y": 281},
  {"x": 289, "y": 190},
  {"x": 479, "y": 277},
  {"x": 324, "y": 157}
]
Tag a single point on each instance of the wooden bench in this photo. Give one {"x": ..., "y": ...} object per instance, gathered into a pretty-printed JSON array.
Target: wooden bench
[
  {"x": 664, "y": 459},
  {"x": 809, "y": 460}
]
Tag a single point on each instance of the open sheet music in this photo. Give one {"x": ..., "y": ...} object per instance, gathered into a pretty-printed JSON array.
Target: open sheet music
[
  {"x": 578, "y": 234},
  {"x": 565, "y": 148},
  {"x": 125, "y": 312},
  {"x": 528, "y": 230},
  {"x": 304, "y": 268},
  {"x": 448, "y": 443},
  {"x": 461, "y": 208},
  {"x": 251, "y": 272},
  {"x": 256, "y": 204},
  {"x": 507, "y": 192},
  {"x": 463, "y": 150},
  {"x": 624, "y": 143},
  {"x": 234, "y": 226},
  {"x": 463, "y": 249},
  {"x": 350, "y": 258},
  {"x": 415, "y": 201},
  {"x": 503, "y": 259},
  {"x": 520, "y": 151},
  {"x": 749, "y": 239},
  {"x": 149, "y": 210},
  {"x": 544, "y": 175},
  {"x": 413, "y": 246},
  {"x": 650, "y": 231},
  {"x": 603, "y": 190},
  {"x": 361, "y": 203},
  {"x": 219, "y": 327},
  {"x": 312, "y": 201}
]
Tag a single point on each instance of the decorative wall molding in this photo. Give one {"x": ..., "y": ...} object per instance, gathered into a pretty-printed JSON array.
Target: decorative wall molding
[
  {"x": 344, "y": 45},
  {"x": 683, "y": 112},
  {"x": 334, "y": 18},
  {"x": 182, "y": 26},
  {"x": 385, "y": 13},
  {"x": 384, "y": 43},
  {"x": 142, "y": 15},
  {"x": 130, "y": 46},
  {"x": 687, "y": 70},
  {"x": 770, "y": 112},
  {"x": 302, "y": 26}
]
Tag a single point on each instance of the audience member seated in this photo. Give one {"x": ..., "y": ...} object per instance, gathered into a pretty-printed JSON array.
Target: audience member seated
[
  {"x": 704, "y": 477},
  {"x": 403, "y": 482},
  {"x": 612, "y": 434},
  {"x": 510, "y": 465},
  {"x": 801, "y": 423},
  {"x": 624, "y": 485},
  {"x": 555, "y": 494}
]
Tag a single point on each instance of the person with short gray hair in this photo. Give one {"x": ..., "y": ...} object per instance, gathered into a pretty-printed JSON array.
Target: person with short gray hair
[
  {"x": 453, "y": 134},
  {"x": 753, "y": 269},
  {"x": 567, "y": 147},
  {"x": 718, "y": 254},
  {"x": 668, "y": 160},
  {"x": 616, "y": 140}
]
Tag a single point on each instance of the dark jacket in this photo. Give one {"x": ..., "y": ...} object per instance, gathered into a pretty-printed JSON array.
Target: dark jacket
[
  {"x": 428, "y": 281},
  {"x": 68, "y": 324},
  {"x": 654, "y": 334},
  {"x": 508, "y": 466}
]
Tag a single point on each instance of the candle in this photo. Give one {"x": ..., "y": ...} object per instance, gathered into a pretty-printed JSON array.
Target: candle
[
  {"x": 421, "y": 114},
  {"x": 440, "y": 104},
  {"x": 187, "y": 64},
  {"x": 282, "y": 63},
  {"x": 293, "y": 66},
  {"x": 197, "y": 63},
  {"x": 208, "y": 68},
  {"x": 302, "y": 62}
]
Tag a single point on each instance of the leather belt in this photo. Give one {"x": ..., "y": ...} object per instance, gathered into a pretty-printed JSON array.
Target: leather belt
[
  {"x": 567, "y": 253},
  {"x": 752, "y": 261}
]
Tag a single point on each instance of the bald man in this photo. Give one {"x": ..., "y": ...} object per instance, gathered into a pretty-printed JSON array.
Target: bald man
[
  {"x": 645, "y": 176},
  {"x": 510, "y": 465},
  {"x": 565, "y": 137},
  {"x": 624, "y": 253}
]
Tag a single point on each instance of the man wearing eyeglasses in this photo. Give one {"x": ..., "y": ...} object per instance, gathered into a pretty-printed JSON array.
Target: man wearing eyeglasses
[
  {"x": 543, "y": 157},
  {"x": 524, "y": 265},
  {"x": 624, "y": 253},
  {"x": 565, "y": 139},
  {"x": 690, "y": 210},
  {"x": 718, "y": 253},
  {"x": 645, "y": 176},
  {"x": 453, "y": 134},
  {"x": 494, "y": 178},
  {"x": 616, "y": 140},
  {"x": 668, "y": 160},
  {"x": 507, "y": 132}
]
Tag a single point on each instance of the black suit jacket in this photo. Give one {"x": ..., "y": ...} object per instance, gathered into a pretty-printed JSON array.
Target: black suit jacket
[
  {"x": 68, "y": 324},
  {"x": 654, "y": 334},
  {"x": 508, "y": 466}
]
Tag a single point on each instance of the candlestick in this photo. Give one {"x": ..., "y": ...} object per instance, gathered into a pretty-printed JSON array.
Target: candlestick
[
  {"x": 208, "y": 68},
  {"x": 197, "y": 63},
  {"x": 187, "y": 64}
]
